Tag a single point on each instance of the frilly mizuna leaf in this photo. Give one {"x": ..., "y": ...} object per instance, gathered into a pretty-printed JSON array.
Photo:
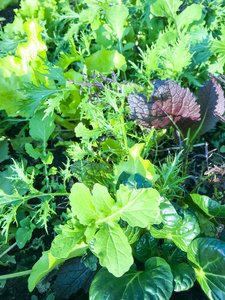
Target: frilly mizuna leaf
[
  {"x": 212, "y": 103},
  {"x": 208, "y": 258},
  {"x": 209, "y": 206},
  {"x": 138, "y": 207},
  {"x": 169, "y": 101},
  {"x": 113, "y": 250},
  {"x": 182, "y": 234},
  {"x": 154, "y": 283},
  {"x": 137, "y": 165},
  {"x": 47, "y": 263}
]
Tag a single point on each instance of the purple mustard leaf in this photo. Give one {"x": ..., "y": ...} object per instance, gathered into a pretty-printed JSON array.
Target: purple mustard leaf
[
  {"x": 212, "y": 103},
  {"x": 168, "y": 102}
]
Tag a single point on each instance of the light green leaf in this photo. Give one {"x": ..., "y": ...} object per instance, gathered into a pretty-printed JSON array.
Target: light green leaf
[
  {"x": 5, "y": 3},
  {"x": 64, "y": 242},
  {"x": 169, "y": 214},
  {"x": 47, "y": 263},
  {"x": 40, "y": 130},
  {"x": 86, "y": 134},
  {"x": 183, "y": 276},
  {"x": 166, "y": 8},
  {"x": 208, "y": 258},
  {"x": 136, "y": 164},
  {"x": 188, "y": 15},
  {"x": 154, "y": 283},
  {"x": 34, "y": 153},
  {"x": 102, "y": 200},
  {"x": 81, "y": 203},
  {"x": 138, "y": 207},
  {"x": 113, "y": 250},
  {"x": 116, "y": 15},
  {"x": 209, "y": 206},
  {"x": 104, "y": 61},
  {"x": 182, "y": 234}
]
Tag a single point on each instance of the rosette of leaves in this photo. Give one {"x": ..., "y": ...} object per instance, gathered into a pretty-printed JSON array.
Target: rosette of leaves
[{"x": 172, "y": 105}]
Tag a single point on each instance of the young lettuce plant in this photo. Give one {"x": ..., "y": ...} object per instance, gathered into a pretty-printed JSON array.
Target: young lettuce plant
[{"x": 131, "y": 226}]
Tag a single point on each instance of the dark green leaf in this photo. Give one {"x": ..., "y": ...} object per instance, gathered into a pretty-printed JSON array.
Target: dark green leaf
[
  {"x": 183, "y": 276},
  {"x": 146, "y": 247}
]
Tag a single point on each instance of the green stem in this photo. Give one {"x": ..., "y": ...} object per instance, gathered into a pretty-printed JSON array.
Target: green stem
[
  {"x": 123, "y": 126},
  {"x": 14, "y": 275},
  {"x": 44, "y": 194},
  {"x": 197, "y": 186},
  {"x": 63, "y": 122}
]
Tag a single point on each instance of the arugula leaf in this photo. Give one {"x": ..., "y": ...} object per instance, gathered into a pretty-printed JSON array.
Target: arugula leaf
[
  {"x": 155, "y": 282},
  {"x": 207, "y": 257},
  {"x": 40, "y": 130},
  {"x": 113, "y": 250}
]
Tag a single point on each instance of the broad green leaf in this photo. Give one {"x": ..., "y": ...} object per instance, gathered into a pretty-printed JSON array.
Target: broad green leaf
[
  {"x": 34, "y": 153},
  {"x": 182, "y": 234},
  {"x": 166, "y": 8},
  {"x": 40, "y": 130},
  {"x": 104, "y": 61},
  {"x": 146, "y": 247},
  {"x": 188, "y": 15},
  {"x": 116, "y": 15},
  {"x": 24, "y": 233},
  {"x": 209, "y": 206},
  {"x": 132, "y": 233},
  {"x": 136, "y": 164},
  {"x": 5, "y": 3},
  {"x": 208, "y": 258},
  {"x": 102, "y": 200},
  {"x": 65, "y": 241},
  {"x": 35, "y": 46},
  {"x": 47, "y": 263},
  {"x": 138, "y": 207},
  {"x": 154, "y": 283},
  {"x": 183, "y": 276},
  {"x": 169, "y": 214},
  {"x": 81, "y": 203},
  {"x": 113, "y": 250}
]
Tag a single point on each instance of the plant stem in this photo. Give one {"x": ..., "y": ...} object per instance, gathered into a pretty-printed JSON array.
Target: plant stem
[
  {"x": 7, "y": 250},
  {"x": 14, "y": 275},
  {"x": 63, "y": 122},
  {"x": 197, "y": 186}
]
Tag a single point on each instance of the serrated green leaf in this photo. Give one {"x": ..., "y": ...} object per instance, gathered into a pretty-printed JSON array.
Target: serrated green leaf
[
  {"x": 47, "y": 263},
  {"x": 113, "y": 250},
  {"x": 208, "y": 258},
  {"x": 182, "y": 234},
  {"x": 81, "y": 204},
  {"x": 86, "y": 134},
  {"x": 183, "y": 276},
  {"x": 102, "y": 200},
  {"x": 154, "y": 283},
  {"x": 40, "y": 130},
  {"x": 64, "y": 242},
  {"x": 138, "y": 207}
]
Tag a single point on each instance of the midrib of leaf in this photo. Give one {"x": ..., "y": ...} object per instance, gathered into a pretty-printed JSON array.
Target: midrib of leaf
[
  {"x": 174, "y": 17},
  {"x": 119, "y": 211}
]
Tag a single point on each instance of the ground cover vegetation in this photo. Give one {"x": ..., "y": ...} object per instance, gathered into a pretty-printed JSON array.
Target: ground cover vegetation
[{"x": 112, "y": 149}]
